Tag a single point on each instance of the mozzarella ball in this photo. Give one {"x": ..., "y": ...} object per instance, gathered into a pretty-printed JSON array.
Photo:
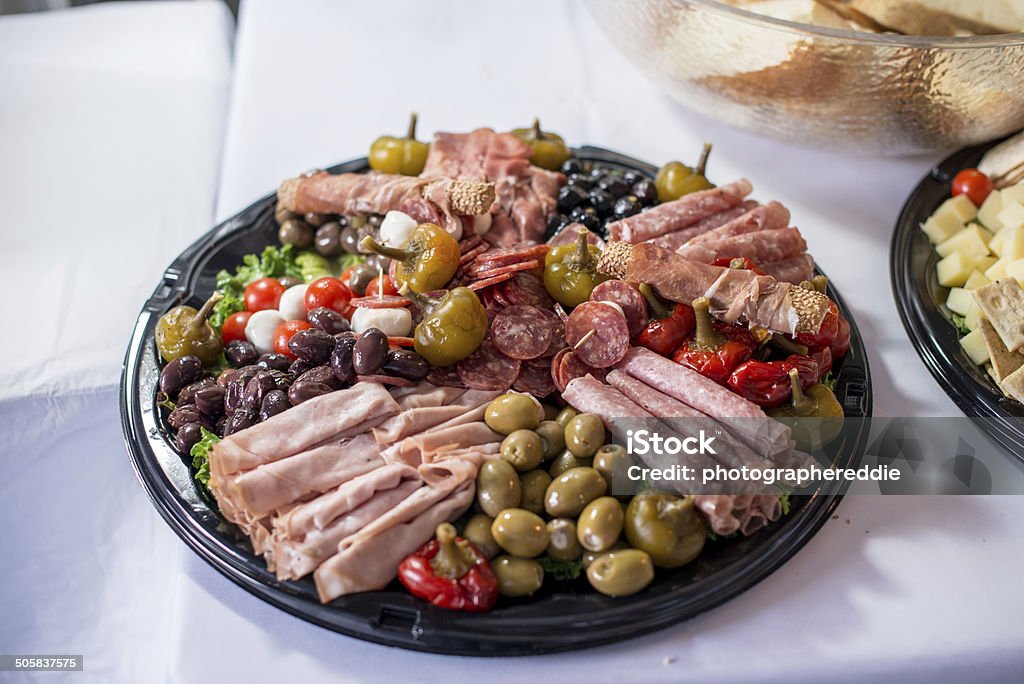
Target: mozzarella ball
[
  {"x": 395, "y": 322},
  {"x": 261, "y": 328},
  {"x": 293, "y": 303}
]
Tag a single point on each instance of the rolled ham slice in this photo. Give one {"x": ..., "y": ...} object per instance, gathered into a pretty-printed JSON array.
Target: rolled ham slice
[
  {"x": 335, "y": 415},
  {"x": 767, "y": 217},
  {"x": 744, "y": 419},
  {"x": 760, "y": 247},
  {"x": 416, "y": 420},
  {"x": 684, "y": 212},
  {"x": 741, "y": 513},
  {"x": 425, "y": 395},
  {"x": 674, "y": 240}
]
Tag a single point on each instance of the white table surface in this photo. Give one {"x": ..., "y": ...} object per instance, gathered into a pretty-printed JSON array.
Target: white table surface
[{"x": 896, "y": 588}]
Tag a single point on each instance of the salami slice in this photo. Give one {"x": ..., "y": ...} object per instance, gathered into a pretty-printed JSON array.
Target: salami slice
[
  {"x": 570, "y": 367},
  {"x": 500, "y": 297},
  {"x": 386, "y": 380},
  {"x": 522, "y": 332},
  {"x": 629, "y": 299},
  {"x": 481, "y": 284},
  {"x": 381, "y": 302},
  {"x": 444, "y": 376},
  {"x": 488, "y": 369},
  {"x": 558, "y": 331},
  {"x": 526, "y": 288},
  {"x": 510, "y": 255},
  {"x": 556, "y": 369},
  {"x": 598, "y": 333},
  {"x": 535, "y": 380},
  {"x": 510, "y": 268},
  {"x": 401, "y": 341}
]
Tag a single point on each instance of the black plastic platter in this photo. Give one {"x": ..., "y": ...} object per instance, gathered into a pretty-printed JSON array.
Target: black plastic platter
[
  {"x": 562, "y": 616},
  {"x": 921, "y": 304}
]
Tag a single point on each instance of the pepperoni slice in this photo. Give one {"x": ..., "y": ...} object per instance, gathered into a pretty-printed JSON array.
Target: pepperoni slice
[
  {"x": 444, "y": 376},
  {"x": 382, "y": 302},
  {"x": 498, "y": 270},
  {"x": 556, "y": 369},
  {"x": 535, "y": 380},
  {"x": 481, "y": 284},
  {"x": 470, "y": 243},
  {"x": 522, "y": 332},
  {"x": 500, "y": 297},
  {"x": 510, "y": 255},
  {"x": 598, "y": 333},
  {"x": 488, "y": 369},
  {"x": 629, "y": 299},
  {"x": 469, "y": 255}
]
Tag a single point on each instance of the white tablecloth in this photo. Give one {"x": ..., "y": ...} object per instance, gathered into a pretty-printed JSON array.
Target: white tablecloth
[{"x": 908, "y": 589}]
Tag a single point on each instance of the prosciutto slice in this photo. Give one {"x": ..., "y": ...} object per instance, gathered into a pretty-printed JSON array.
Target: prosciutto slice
[
  {"x": 760, "y": 247},
  {"x": 684, "y": 212},
  {"x": 674, "y": 240}
]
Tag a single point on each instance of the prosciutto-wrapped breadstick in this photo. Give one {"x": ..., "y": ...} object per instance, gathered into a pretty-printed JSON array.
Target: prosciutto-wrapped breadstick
[
  {"x": 736, "y": 295},
  {"x": 678, "y": 214},
  {"x": 441, "y": 201}
]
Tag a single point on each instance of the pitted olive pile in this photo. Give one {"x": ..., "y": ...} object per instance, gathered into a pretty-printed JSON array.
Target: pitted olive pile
[{"x": 547, "y": 504}]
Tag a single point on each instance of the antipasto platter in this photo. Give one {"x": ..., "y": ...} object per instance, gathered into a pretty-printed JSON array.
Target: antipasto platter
[{"x": 388, "y": 403}]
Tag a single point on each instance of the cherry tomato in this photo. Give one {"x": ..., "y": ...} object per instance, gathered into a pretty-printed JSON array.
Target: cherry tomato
[
  {"x": 263, "y": 294},
  {"x": 372, "y": 289},
  {"x": 974, "y": 184},
  {"x": 841, "y": 344},
  {"x": 330, "y": 293},
  {"x": 345, "y": 275},
  {"x": 284, "y": 333},
  {"x": 234, "y": 326}
]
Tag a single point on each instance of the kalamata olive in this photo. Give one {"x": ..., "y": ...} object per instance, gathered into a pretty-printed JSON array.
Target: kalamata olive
[
  {"x": 220, "y": 425},
  {"x": 296, "y": 232},
  {"x": 274, "y": 402},
  {"x": 646, "y": 191},
  {"x": 239, "y": 420},
  {"x": 304, "y": 391},
  {"x": 369, "y": 352},
  {"x": 226, "y": 376},
  {"x": 187, "y": 395},
  {"x": 281, "y": 214},
  {"x": 328, "y": 240},
  {"x": 378, "y": 263},
  {"x": 312, "y": 345},
  {"x": 210, "y": 401},
  {"x": 349, "y": 239},
  {"x": 275, "y": 361},
  {"x": 328, "y": 320},
  {"x": 315, "y": 220},
  {"x": 300, "y": 366},
  {"x": 187, "y": 437},
  {"x": 180, "y": 372},
  {"x": 282, "y": 380},
  {"x": 360, "y": 277},
  {"x": 240, "y": 353},
  {"x": 256, "y": 389},
  {"x": 341, "y": 359},
  {"x": 405, "y": 363},
  {"x": 183, "y": 415},
  {"x": 323, "y": 374},
  {"x": 289, "y": 281}
]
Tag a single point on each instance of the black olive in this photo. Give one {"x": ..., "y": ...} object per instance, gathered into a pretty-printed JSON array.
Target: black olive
[{"x": 570, "y": 197}]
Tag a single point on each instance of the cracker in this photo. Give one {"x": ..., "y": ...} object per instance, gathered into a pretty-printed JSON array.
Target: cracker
[
  {"x": 1003, "y": 360},
  {"x": 1002, "y": 302},
  {"x": 1013, "y": 385}
]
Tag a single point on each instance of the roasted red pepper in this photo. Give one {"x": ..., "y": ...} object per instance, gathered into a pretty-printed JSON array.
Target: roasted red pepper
[
  {"x": 717, "y": 348},
  {"x": 668, "y": 327},
  {"x": 738, "y": 262},
  {"x": 451, "y": 573},
  {"x": 841, "y": 344},
  {"x": 767, "y": 383}
]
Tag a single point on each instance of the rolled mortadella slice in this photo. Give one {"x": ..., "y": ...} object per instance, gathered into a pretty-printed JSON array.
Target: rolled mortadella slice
[
  {"x": 675, "y": 215},
  {"x": 735, "y": 295}
]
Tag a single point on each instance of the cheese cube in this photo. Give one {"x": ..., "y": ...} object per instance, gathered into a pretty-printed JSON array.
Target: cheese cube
[
  {"x": 973, "y": 315},
  {"x": 976, "y": 279},
  {"x": 941, "y": 227},
  {"x": 959, "y": 300},
  {"x": 1015, "y": 269},
  {"x": 972, "y": 240},
  {"x": 995, "y": 245},
  {"x": 997, "y": 270},
  {"x": 1012, "y": 215},
  {"x": 1014, "y": 193},
  {"x": 1012, "y": 244},
  {"x": 984, "y": 263},
  {"x": 954, "y": 270},
  {"x": 960, "y": 206},
  {"x": 974, "y": 344},
  {"x": 989, "y": 211}
]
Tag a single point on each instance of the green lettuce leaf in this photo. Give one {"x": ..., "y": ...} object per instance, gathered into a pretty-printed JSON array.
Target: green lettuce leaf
[{"x": 201, "y": 455}]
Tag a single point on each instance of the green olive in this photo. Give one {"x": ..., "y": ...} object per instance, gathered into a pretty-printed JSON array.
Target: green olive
[
  {"x": 621, "y": 573},
  {"x": 600, "y": 524},
  {"x": 667, "y": 527},
  {"x": 584, "y": 435},
  {"x": 520, "y": 532},
  {"x": 497, "y": 487},
  {"x": 562, "y": 542},
  {"x": 550, "y": 412},
  {"x": 523, "y": 449},
  {"x": 589, "y": 557},
  {"x": 517, "y": 576},
  {"x": 553, "y": 436},
  {"x": 565, "y": 415},
  {"x": 535, "y": 486},
  {"x": 565, "y": 461},
  {"x": 613, "y": 461},
  {"x": 569, "y": 493},
  {"x": 511, "y": 412},
  {"x": 478, "y": 531}
]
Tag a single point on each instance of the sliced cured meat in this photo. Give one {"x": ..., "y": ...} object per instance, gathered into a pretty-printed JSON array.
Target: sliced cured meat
[
  {"x": 381, "y": 302},
  {"x": 526, "y": 288},
  {"x": 677, "y": 214},
  {"x": 570, "y": 367},
  {"x": 760, "y": 247},
  {"x": 522, "y": 332},
  {"x": 570, "y": 234},
  {"x": 401, "y": 341},
  {"x": 386, "y": 380},
  {"x": 510, "y": 255},
  {"x": 558, "y": 332},
  {"x": 677, "y": 239},
  {"x": 535, "y": 380},
  {"x": 629, "y": 299},
  {"x": 470, "y": 243},
  {"x": 488, "y": 369},
  {"x": 768, "y": 217},
  {"x": 510, "y": 268},
  {"x": 598, "y": 333},
  {"x": 795, "y": 269},
  {"x": 481, "y": 284},
  {"x": 444, "y": 376},
  {"x": 469, "y": 255}
]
